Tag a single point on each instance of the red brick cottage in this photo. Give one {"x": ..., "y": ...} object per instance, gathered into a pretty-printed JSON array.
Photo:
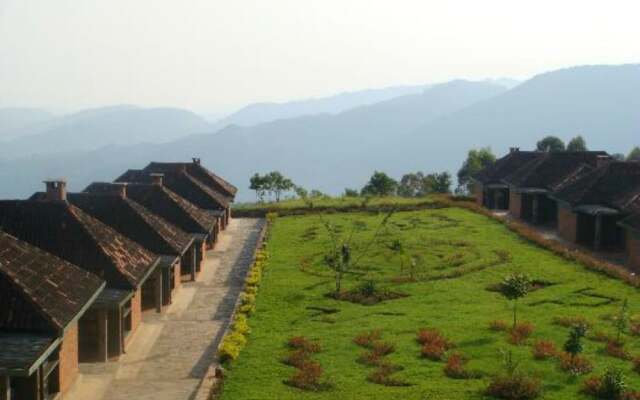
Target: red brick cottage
[
  {"x": 489, "y": 190},
  {"x": 200, "y": 173},
  {"x": 66, "y": 231},
  {"x": 531, "y": 184},
  {"x": 592, "y": 208},
  {"x": 161, "y": 201},
  {"x": 184, "y": 184},
  {"x": 109, "y": 203},
  {"x": 42, "y": 298}
]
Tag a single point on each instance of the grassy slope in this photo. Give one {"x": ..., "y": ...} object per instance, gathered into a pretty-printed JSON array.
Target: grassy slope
[
  {"x": 337, "y": 202},
  {"x": 460, "y": 307}
]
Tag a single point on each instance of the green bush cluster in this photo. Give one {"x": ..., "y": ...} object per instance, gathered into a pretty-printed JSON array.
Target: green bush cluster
[{"x": 236, "y": 338}]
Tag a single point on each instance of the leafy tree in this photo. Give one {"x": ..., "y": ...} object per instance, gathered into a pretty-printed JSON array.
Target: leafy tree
[
  {"x": 380, "y": 184},
  {"x": 351, "y": 192},
  {"x": 411, "y": 185},
  {"x": 573, "y": 345},
  {"x": 618, "y": 156},
  {"x": 438, "y": 182},
  {"x": 315, "y": 193},
  {"x": 477, "y": 160},
  {"x": 577, "y": 144},
  {"x": 634, "y": 154},
  {"x": 300, "y": 191},
  {"x": 550, "y": 143},
  {"x": 513, "y": 288},
  {"x": 257, "y": 183},
  {"x": 277, "y": 183}
]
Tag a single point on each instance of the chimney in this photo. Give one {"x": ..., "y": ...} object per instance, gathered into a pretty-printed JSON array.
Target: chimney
[
  {"x": 196, "y": 161},
  {"x": 56, "y": 190},
  {"x": 602, "y": 160},
  {"x": 514, "y": 149},
  {"x": 156, "y": 179}
]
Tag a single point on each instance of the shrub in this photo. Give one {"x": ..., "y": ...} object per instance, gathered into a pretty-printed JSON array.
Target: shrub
[
  {"x": 514, "y": 387},
  {"x": 456, "y": 367},
  {"x": 601, "y": 336},
  {"x": 434, "y": 344},
  {"x": 617, "y": 350},
  {"x": 611, "y": 385},
  {"x": 571, "y": 321},
  {"x": 433, "y": 351},
  {"x": 520, "y": 333},
  {"x": 296, "y": 358},
  {"x": 544, "y": 349},
  {"x": 307, "y": 376},
  {"x": 302, "y": 343},
  {"x": 370, "y": 358},
  {"x": 498, "y": 325},
  {"x": 241, "y": 324},
  {"x": 575, "y": 365},
  {"x": 382, "y": 375},
  {"x": 231, "y": 345},
  {"x": 383, "y": 348},
  {"x": 366, "y": 339}
]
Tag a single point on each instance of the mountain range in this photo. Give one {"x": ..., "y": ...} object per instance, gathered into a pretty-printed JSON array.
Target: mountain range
[{"x": 429, "y": 129}]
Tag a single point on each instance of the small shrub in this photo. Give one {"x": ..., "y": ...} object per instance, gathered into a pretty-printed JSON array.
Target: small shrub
[
  {"x": 382, "y": 375},
  {"x": 241, "y": 324},
  {"x": 302, "y": 343},
  {"x": 433, "y": 351},
  {"x": 617, "y": 350},
  {"x": 383, "y": 348},
  {"x": 571, "y": 321},
  {"x": 520, "y": 333},
  {"x": 610, "y": 386},
  {"x": 434, "y": 344},
  {"x": 366, "y": 339},
  {"x": 514, "y": 387},
  {"x": 544, "y": 349},
  {"x": 370, "y": 358},
  {"x": 307, "y": 376},
  {"x": 498, "y": 325},
  {"x": 296, "y": 358},
  {"x": 601, "y": 336},
  {"x": 575, "y": 365},
  {"x": 456, "y": 367}
]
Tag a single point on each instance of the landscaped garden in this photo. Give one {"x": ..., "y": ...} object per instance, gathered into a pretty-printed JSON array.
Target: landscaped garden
[{"x": 421, "y": 304}]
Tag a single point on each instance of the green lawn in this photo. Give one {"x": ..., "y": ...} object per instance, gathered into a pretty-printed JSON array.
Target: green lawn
[
  {"x": 447, "y": 242},
  {"x": 332, "y": 202}
]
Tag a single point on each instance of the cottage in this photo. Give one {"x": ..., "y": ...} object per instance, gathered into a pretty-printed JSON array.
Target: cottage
[
  {"x": 66, "y": 231},
  {"x": 42, "y": 297},
  {"x": 110, "y": 204},
  {"x": 591, "y": 208},
  {"x": 158, "y": 199},
  {"x": 531, "y": 184},
  {"x": 490, "y": 191},
  {"x": 203, "y": 175}
]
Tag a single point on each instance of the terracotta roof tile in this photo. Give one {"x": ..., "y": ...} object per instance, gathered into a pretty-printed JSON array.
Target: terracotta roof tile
[
  {"x": 58, "y": 289},
  {"x": 505, "y": 166}
]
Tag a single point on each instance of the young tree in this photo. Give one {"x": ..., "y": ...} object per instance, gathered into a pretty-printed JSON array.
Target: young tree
[
  {"x": 514, "y": 287},
  {"x": 573, "y": 345},
  {"x": 634, "y": 154},
  {"x": 621, "y": 320},
  {"x": 577, "y": 144},
  {"x": 257, "y": 183},
  {"x": 550, "y": 143},
  {"x": 277, "y": 183},
  {"x": 477, "y": 160},
  {"x": 380, "y": 184},
  {"x": 438, "y": 183}
]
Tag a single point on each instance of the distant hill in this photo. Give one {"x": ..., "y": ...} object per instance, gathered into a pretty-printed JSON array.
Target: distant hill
[
  {"x": 430, "y": 131},
  {"x": 95, "y": 128},
  {"x": 15, "y": 121},
  {"x": 258, "y": 113}
]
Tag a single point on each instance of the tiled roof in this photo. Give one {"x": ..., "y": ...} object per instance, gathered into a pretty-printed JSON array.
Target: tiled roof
[
  {"x": 505, "y": 166},
  {"x": 133, "y": 221},
  {"x": 553, "y": 170},
  {"x": 199, "y": 172},
  {"x": 181, "y": 183},
  {"x": 66, "y": 231},
  {"x": 615, "y": 184},
  {"x": 173, "y": 208},
  {"x": 57, "y": 289}
]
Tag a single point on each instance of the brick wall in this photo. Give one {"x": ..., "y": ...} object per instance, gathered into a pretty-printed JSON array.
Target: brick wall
[
  {"x": 515, "y": 204},
  {"x": 567, "y": 224},
  {"x": 204, "y": 255},
  {"x": 69, "y": 358},
  {"x": 136, "y": 313},
  {"x": 177, "y": 271},
  {"x": 633, "y": 249}
]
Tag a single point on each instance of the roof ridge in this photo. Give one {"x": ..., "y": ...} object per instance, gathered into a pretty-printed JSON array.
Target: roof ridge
[{"x": 217, "y": 196}]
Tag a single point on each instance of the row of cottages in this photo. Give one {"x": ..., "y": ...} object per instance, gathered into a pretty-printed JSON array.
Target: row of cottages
[
  {"x": 588, "y": 197},
  {"x": 104, "y": 257}
]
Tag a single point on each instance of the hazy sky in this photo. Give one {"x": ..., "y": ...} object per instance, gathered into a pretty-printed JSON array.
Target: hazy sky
[{"x": 213, "y": 55}]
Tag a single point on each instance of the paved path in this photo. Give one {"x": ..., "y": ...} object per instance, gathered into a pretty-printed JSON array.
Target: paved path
[{"x": 172, "y": 352}]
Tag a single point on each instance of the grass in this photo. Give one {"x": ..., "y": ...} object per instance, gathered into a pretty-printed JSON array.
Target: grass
[{"x": 459, "y": 254}]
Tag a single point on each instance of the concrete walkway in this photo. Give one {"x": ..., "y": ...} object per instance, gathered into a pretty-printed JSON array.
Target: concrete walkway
[{"x": 171, "y": 352}]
